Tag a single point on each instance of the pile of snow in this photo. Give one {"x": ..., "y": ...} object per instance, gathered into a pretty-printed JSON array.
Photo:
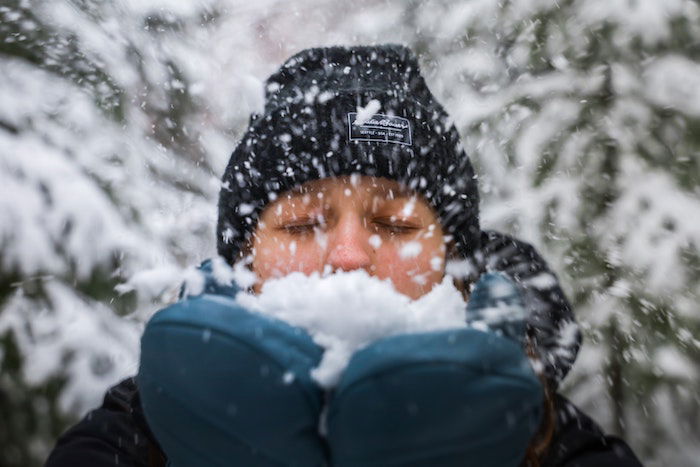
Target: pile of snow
[{"x": 346, "y": 311}]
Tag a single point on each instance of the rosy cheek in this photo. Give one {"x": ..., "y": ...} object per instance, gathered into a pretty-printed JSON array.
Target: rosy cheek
[
  {"x": 411, "y": 275},
  {"x": 391, "y": 265},
  {"x": 287, "y": 257},
  {"x": 305, "y": 260}
]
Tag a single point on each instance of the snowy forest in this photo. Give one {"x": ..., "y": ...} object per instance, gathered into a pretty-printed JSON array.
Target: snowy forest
[{"x": 582, "y": 118}]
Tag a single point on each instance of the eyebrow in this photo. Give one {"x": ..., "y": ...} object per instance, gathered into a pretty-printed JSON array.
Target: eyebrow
[{"x": 400, "y": 194}]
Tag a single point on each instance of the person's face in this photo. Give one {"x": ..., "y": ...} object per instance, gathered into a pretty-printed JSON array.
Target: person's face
[{"x": 350, "y": 223}]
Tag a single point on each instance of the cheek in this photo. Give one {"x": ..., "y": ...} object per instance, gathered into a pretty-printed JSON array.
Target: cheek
[
  {"x": 278, "y": 257},
  {"x": 412, "y": 276}
]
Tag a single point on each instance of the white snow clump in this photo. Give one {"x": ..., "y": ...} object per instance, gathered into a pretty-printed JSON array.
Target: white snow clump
[
  {"x": 346, "y": 311},
  {"x": 366, "y": 112}
]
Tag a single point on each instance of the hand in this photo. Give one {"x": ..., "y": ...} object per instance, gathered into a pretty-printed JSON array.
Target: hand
[
  {"x": 220, "y": 385},
  {"x": 444, "y": 399}
]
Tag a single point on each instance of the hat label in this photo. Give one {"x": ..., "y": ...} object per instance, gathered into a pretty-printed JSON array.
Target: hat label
[{"x": 379, "y": 127}]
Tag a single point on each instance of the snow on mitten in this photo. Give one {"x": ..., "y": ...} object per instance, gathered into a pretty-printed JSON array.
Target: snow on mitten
[
  {"x": 496, "y": 304},
  {"x": 223, "y": 386}
]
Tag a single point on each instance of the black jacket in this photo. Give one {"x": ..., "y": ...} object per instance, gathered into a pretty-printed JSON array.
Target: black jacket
[{"x": 116, "y": 434}]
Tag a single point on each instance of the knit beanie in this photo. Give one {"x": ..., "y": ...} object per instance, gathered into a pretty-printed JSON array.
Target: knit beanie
[{"x": 340, "y": 111}]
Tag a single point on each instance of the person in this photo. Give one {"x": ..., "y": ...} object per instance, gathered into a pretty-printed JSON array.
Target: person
[{"x": 351, "y": 161}]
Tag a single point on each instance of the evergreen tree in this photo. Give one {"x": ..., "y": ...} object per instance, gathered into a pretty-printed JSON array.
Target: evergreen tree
[
  {"x": 582, "y": 117},
  {"x": 104, "y": 173}
]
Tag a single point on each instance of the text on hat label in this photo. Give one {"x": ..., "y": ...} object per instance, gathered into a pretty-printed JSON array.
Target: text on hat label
[{"x": 382, "y": 128}]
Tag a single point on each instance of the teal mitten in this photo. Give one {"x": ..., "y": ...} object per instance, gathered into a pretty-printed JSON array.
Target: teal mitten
[
  {"x": 449, "y": 398},
  {"x": 222, "y": 386}
]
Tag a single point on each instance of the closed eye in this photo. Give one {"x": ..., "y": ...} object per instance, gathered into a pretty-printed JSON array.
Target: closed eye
[
  {"x": 395, "y": 227},
  {"x": 302, "y": 227}
]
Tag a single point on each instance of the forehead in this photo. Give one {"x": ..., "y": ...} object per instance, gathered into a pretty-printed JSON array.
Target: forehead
[
  {"x": 356, "y": 184},
  {"x": 349, "y": 192}
]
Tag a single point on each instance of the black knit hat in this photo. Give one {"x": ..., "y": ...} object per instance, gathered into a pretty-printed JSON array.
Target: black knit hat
[{"x": 310, "y": 129}]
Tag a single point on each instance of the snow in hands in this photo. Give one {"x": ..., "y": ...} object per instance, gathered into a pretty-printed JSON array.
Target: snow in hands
[{"x": 346, "y": 311}]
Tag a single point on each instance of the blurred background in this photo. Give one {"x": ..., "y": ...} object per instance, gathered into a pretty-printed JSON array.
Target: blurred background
[{"x": 117, "y": 119}]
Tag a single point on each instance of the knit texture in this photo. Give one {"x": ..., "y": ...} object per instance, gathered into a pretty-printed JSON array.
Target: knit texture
[{"x": 310, "y": 130}]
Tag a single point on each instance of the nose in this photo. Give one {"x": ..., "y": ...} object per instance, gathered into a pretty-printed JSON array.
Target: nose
[{"x": 348, "y": 245}]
